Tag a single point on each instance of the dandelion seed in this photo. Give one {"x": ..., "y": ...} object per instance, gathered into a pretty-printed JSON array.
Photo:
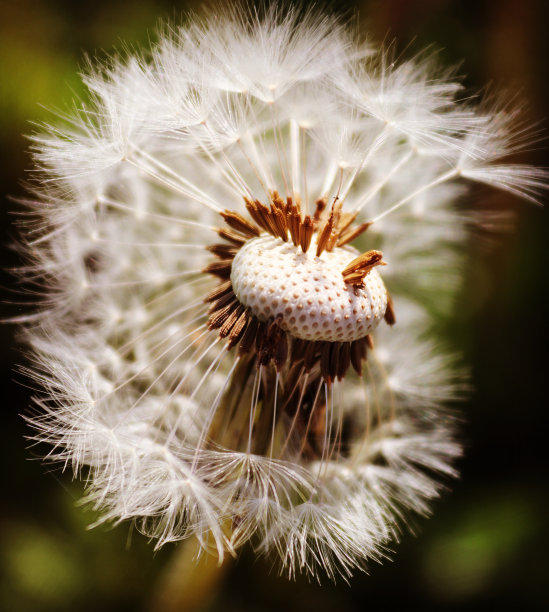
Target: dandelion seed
[{"x": 234, "y": 239}]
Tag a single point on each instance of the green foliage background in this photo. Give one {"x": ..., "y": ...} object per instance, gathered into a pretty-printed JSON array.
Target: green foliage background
[{"x": 487, "y": 543}]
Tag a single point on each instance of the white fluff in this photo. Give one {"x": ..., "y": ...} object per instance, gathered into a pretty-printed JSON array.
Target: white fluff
[{"x": 130, "y": 190}]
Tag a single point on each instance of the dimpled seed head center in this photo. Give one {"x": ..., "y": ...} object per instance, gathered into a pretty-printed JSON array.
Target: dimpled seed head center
[{"x": 276, "y": 279}]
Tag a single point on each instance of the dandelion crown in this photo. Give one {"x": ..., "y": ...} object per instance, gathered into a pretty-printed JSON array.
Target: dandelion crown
[{"x": 241, "y": 238}]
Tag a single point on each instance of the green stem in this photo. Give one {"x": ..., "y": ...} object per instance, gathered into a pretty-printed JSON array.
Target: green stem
[{"x": 189, "y": 582}]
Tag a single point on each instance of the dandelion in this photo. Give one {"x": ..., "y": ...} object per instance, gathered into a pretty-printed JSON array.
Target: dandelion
[{"x": 239, "y": 242}]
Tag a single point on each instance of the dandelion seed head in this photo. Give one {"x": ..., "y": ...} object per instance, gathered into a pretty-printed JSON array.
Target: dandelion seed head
[
  {"x": 307, "y": 293},
  {"x": 221, "y": 349}
]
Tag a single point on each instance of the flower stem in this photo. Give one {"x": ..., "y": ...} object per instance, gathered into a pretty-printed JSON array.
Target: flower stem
[{"x": 189, "y": 581}]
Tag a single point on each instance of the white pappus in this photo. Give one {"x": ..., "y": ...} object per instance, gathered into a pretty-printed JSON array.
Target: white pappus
[{"x": 239, "y": 240}]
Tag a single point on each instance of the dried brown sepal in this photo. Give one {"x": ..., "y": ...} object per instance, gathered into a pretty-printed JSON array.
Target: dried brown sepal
[
  {"x": 328, "y": 235},
  {"x": 306, "y": 233},
  {"x": 260, "y": 214},
  {"x": 221, "y": 269},
  {"x": 240, "y": 224},
  {"x": 279, "y": 221},
  {"x": 320, "y": 207},
  {"x": 277, "y": 201},
  {"x": 223, "y": 251},
  {"x": 351, "y": 233},
  {"x": 238, "y": 328},
  {"x": 345, "y": 221},
  {"x": 272, "y": 220},
  {"x": 336, "y": 216},
  {"x": 324, "y": 235},
  {"x": 294, "y": 201},
  {"x": 260, "y": 336},
  {"x": 358, "y": 354},
  {"x": 249, "y": 338},
  {"x": 294, "y": 225},
  {"x": 222, "y": 301},
  {"x": 344, "y": 360},
  {"x": 311, "y": 355},
  {"x": 231, "y": 236},
  {"x": 219, "y": 291},
  {"x": 334, "y": 359},
  {"x": 325, "y": 362},
  {"x": 218, "y": 318},
  {"x": 298, "y": 349},
  {"x": 390, "y": 317},
  {"x": 272, "y": 345},
  {"x": 231, "y": 320},
  {"x": 357, "y": 270},
  {"x": 281, "y": 351}
]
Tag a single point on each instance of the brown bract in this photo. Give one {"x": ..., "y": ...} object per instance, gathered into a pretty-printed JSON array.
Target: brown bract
[{"x": 266, "y": 340}]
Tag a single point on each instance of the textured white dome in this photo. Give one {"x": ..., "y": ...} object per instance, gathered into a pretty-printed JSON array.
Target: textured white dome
[{"x": 275, "y": 278}]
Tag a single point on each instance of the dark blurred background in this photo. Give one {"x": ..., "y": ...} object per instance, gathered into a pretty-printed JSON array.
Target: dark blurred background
[{"x": 487, "y": 543}]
